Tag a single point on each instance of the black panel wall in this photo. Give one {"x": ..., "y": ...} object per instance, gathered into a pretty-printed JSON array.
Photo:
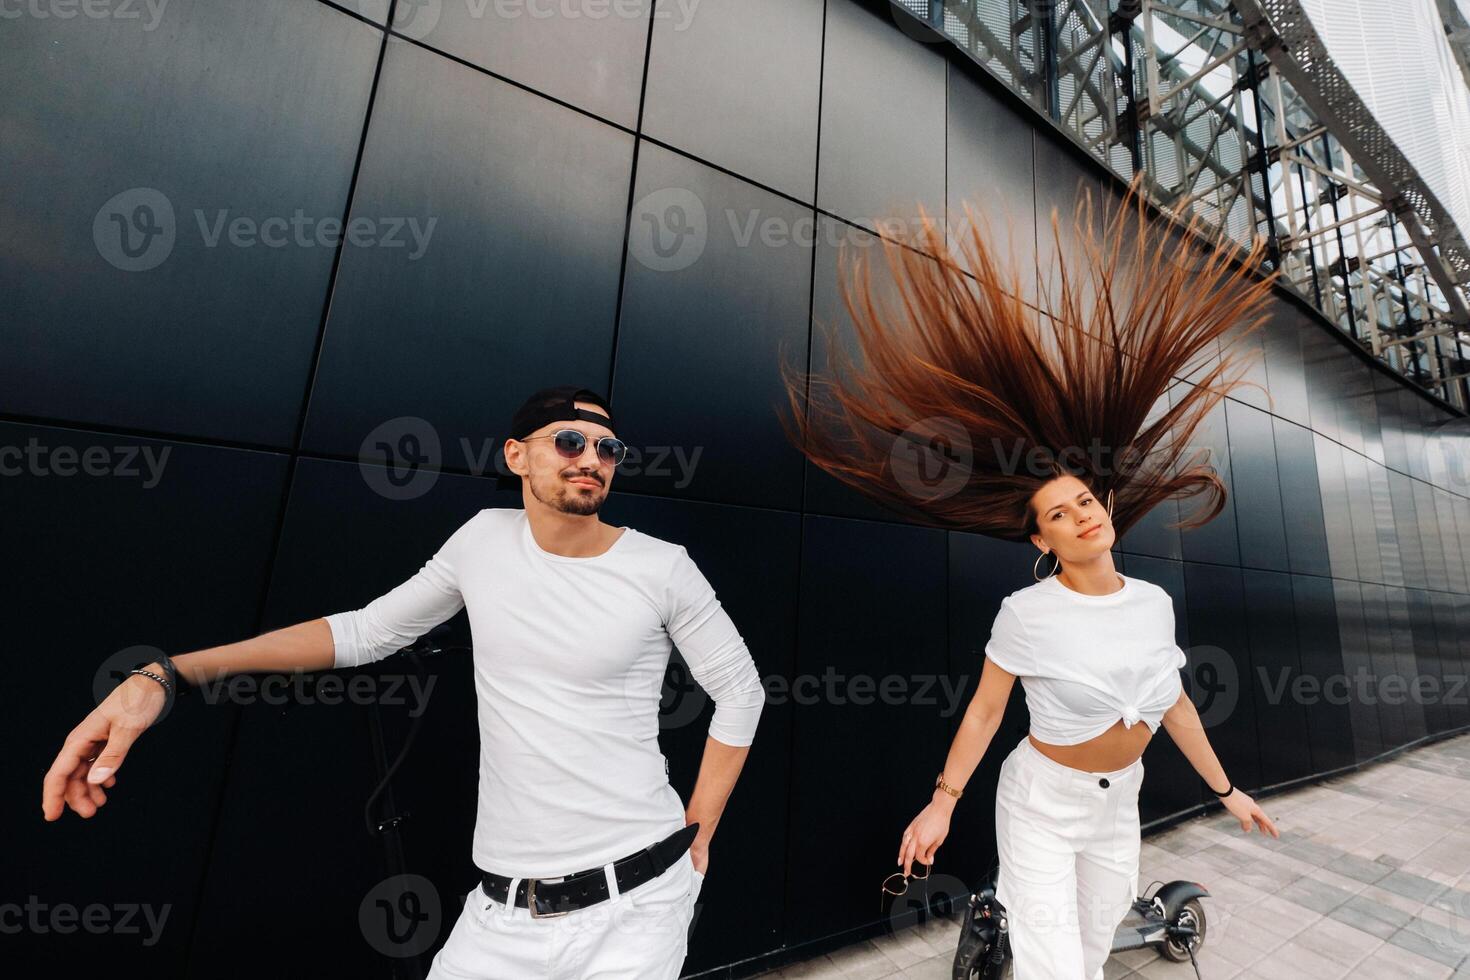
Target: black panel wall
[{"x": 275, "y": 277}]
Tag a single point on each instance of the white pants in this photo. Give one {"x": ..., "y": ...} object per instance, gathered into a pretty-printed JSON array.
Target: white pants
[
  {"x": 1068, "y": 848},
  {"x": 642, "y": 934}
]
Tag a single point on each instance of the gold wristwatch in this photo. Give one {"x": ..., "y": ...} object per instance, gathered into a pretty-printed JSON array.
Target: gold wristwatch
[{"x": 939, "y": 783}]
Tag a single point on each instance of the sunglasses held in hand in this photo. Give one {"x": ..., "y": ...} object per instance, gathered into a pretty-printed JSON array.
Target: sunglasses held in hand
[{"x": 903, "y": 880}]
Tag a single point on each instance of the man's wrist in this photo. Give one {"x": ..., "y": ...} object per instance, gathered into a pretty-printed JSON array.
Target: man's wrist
[
  {"x": 138, "y": 692},
  {"x": 173, "y": 670},
  {"x": 146, "y": 682}
]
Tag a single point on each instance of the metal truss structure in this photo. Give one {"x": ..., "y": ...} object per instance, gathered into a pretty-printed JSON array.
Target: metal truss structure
[{"x": 1235, "y": 111}]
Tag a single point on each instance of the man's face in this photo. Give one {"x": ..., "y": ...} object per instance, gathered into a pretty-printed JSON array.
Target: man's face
[{"x": 572, "y": 486}]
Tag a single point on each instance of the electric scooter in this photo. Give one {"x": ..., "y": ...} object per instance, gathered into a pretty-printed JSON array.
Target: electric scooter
[{"x": 1172, "y": 921}]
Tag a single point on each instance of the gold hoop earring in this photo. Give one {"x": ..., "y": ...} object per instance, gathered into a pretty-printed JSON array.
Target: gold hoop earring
[
  {"x": 1110, "y": 505},
  {"x": 1037, "y": 562}
]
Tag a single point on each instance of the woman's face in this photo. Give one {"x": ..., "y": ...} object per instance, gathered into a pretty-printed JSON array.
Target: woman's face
[{"x": 1070, "y": 520}]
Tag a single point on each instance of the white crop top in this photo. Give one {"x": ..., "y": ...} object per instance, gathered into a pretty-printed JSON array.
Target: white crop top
[{"x": 1086, "y": 660}]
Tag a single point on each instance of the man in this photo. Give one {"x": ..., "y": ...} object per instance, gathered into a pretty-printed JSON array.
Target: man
[{"x": 590, "y": 864}]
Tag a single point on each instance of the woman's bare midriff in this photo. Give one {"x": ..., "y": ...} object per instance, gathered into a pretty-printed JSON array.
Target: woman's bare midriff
[{"x": 1114, "y": 749}]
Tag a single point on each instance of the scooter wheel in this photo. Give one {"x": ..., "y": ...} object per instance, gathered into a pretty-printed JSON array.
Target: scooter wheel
[
  {"x": 973, "y": 964},
  {"x": 1007, "y": 972},
  {"x": 1191, "y": 913},
  {"x": 973, "y": 959}
]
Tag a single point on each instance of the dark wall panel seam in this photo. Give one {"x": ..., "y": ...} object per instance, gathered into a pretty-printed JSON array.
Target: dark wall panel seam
[
  {"x": 612, "y": 360},
  {"x": 284, "y": 502}
]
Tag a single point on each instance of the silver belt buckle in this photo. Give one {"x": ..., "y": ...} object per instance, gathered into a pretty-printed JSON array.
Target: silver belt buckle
[{"x": 531, "y": 903}]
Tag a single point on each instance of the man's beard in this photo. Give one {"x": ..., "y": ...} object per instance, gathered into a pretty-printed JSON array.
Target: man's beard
[{"x": 569, "y": 500}]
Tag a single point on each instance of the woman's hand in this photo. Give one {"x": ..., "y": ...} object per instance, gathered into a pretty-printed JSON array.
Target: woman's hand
[
  {"x": 923, "y": 836},
  {"x": 1249, "y": 813},
  {"x": 92, "y": 753}
]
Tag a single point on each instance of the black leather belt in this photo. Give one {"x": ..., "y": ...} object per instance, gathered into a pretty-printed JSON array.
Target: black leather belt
[{"x": 547, "y": 898}]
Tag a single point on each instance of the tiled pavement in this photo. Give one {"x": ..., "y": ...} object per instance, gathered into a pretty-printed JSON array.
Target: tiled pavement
[{"x": 1370, "y": 878}]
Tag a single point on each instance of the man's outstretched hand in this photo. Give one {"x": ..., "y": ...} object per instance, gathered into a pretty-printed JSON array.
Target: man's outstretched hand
[{"x": 91, "y": 755}]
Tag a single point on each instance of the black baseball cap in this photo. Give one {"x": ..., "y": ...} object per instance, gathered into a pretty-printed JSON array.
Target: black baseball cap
[{"x": 558, "y": 404}]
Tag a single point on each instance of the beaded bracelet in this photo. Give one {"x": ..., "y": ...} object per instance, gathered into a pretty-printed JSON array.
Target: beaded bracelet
[
  {"x": 170, "y": 683},
  {"x": 162, "y": 680}
]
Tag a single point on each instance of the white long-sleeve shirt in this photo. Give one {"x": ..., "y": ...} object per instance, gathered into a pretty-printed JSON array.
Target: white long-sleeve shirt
[{"x": 569, "y": 659}]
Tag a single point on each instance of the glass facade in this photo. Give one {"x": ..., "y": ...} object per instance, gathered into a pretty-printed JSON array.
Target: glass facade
[{"x": 1253, "y": 142}]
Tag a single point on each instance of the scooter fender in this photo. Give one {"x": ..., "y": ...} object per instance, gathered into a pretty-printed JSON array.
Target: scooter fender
[{"x": 1175, "y": 893}]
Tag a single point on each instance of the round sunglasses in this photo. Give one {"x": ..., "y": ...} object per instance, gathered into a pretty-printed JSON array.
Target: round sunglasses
[
  {"x": 571, "y": 443},
  {"x": 890, "y": 887}
]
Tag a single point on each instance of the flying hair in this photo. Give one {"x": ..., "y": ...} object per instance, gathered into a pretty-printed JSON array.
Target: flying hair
[{"x": 965, "y": 375}]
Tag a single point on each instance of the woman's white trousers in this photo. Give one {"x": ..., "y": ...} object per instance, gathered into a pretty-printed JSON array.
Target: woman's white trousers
[{"x": 1068, "y": 842}]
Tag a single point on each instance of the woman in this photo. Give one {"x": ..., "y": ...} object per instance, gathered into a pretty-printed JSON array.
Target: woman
[{"x": 1039, "y": 412}]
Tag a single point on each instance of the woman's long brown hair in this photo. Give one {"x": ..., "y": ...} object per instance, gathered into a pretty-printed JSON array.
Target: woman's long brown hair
[{"x": 966, "y": 379}]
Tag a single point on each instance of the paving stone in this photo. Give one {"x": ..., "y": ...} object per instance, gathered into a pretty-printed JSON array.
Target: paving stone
[
  {"x": 1316, "y": 895},
  {"x": 1370, "y": 917},
  {"x": 1361, "y": 868},
  {"x": 1410, "y": 885},
  {"x": 1413, "y": 939}
]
